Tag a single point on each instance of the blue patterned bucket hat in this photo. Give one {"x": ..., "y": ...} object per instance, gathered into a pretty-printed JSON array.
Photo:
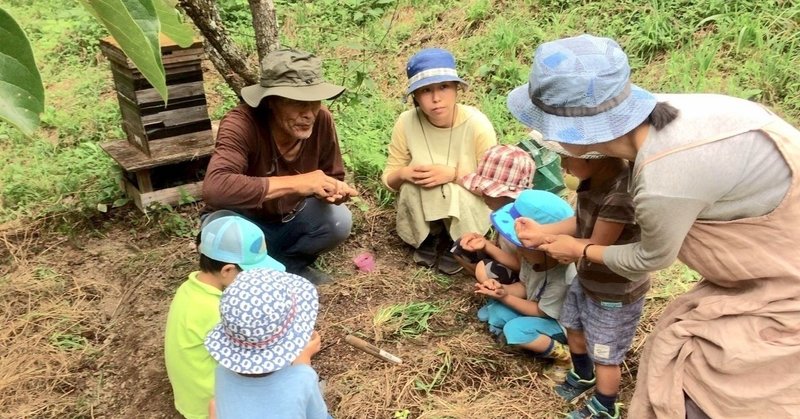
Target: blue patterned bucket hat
[
  {"x": 430, "y": 66},
  {"x": 233, "y": 239},
  {"x": 579, "y": 92},
  {"x": 266, "y": 320},
  {"x": 540, "y": 206}
]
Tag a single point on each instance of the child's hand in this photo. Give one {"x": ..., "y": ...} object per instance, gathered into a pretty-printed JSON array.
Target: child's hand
[
  {"x": 491, "y": 289},
  {"x": 480, "y": 273},
  {"x": 430, "y": 175},
  {"x": 472, "y": 242},
  {"x": 565, "y": 249},
  {"x": 529, "y": 232},
  {"x": 311, "y": 349}
]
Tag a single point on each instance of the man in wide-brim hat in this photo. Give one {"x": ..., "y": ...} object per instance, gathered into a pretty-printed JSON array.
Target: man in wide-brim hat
[{"x": 277, "y": 162}]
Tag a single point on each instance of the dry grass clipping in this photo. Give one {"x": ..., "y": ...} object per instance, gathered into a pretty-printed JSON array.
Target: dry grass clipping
[{"x": 52, "y": 332}]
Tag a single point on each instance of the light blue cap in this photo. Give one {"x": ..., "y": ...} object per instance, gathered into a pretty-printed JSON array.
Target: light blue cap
[
  {"x": 233, "y": 239},
  {"x": 540, "y": 206}
]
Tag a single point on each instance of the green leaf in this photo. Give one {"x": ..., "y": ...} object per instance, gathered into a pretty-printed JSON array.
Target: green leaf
[
  {"x": 21, "y": 90},
  {"x": 172, "y": 24},
  {"x": 134, "y": 25}
]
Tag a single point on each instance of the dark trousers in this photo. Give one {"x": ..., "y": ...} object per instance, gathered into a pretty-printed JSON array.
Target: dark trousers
[{"x": 318, "y": 227}]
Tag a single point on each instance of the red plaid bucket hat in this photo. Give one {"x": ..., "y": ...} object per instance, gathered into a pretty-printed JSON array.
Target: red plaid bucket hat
[{"x": 504, "y": 170}]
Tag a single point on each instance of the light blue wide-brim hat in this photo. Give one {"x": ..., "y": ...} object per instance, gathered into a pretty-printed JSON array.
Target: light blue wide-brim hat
[
  {"x": 430, "y": 66},
  {"x": 266, "y": 320},
  {"x": 540, "y": 206},
  {"x": 579, "y": 92}
]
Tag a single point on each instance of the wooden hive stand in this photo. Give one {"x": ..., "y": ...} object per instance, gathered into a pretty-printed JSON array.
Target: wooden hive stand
[{"x": 168, "y": 146}]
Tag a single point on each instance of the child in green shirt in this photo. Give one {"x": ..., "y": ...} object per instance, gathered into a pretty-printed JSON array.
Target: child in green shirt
[{"x": 228, "y": 245}]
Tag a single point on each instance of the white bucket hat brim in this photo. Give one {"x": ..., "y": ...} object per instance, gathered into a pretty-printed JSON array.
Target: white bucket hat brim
[{"x": 241, "y": 342}]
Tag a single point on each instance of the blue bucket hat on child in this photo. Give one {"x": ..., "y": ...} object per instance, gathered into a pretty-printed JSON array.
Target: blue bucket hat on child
[
  {"x": 579, "y": 92},
  {"x": 266, "y": 319},
  {"x": 233, "y": 239},
  {"x": 541, "y": 206},
  {"x": 430, "y": 66}
]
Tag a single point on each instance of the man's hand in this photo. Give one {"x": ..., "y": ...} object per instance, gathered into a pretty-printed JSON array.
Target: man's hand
[
  {"x": 430, "y": 175},
  {"x": 472, "y": 242},
  {"x": 322, "y": 186},
  {"x": 314, "y": 345},
  {"x": 529, "y": 232},
  {"x": 341, "y": 194},
  {"x": 565, "y": 249},
  {"x": 491, "y": 289}
]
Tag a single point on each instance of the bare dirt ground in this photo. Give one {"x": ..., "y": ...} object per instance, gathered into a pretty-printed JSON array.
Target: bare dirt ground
[{"x": 83, "y": 315}]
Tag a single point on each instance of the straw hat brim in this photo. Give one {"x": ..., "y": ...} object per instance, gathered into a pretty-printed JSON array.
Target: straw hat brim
[{"x": 253, "y": 95}]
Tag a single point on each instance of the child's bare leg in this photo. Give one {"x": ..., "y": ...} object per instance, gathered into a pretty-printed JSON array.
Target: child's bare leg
[
  {"x": 608, "y": 379},
  {"x": 538, "y": 345},
  {"x": 581, "y": 363},
  {"x": 468, "y": 267},
  {"x": 576, "y": 341}
]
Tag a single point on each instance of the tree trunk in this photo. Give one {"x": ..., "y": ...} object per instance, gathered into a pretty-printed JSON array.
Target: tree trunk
[
  {"x": 229, "y": 59},
  {"x": 235, "y": 81},
  {"x": 265, "y": 23}
]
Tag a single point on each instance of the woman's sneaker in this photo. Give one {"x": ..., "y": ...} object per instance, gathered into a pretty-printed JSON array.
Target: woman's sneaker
[
  {"x": 425, "y": 254},
  {"x": 573, "y": 387},
  {"x": 594, "y": 409}
]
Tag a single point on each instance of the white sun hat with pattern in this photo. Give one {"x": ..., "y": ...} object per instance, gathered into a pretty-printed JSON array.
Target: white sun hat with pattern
[{"x": 266, "y": 320}]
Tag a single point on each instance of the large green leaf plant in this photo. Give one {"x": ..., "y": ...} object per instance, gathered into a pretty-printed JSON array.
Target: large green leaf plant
[{"x": 134, "y": 24}]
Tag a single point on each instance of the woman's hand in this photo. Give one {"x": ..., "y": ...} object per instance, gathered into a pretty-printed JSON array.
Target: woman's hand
[
  {"x": 529, "y": 232},
  {"x": 430, "y": 175},
  {"x": 565, "y": 249}
]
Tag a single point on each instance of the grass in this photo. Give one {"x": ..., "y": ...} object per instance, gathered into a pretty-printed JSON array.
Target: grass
[
  {"x": 406, "y": 320},
  {"x": 746, "y": 48},
  {"x": 749, "y": 49}
]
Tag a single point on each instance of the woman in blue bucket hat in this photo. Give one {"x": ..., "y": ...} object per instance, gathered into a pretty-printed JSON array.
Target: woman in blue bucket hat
[
  {"x": 714, "y": 181},
  {"x": 433, "y": 147}
]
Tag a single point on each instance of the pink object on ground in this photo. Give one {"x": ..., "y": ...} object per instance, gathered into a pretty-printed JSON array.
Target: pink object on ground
[{"x": 365, "y": 262}]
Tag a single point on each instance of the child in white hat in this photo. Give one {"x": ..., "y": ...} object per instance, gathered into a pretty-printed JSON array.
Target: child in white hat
[
  {"x": 264, "y": 344},
  {"x": 228, "y": 245}
]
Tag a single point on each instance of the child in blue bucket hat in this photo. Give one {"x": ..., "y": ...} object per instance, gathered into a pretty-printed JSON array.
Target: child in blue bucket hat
[
  {"x": 526, "y": 312},
  {"x": 264, "y": 343},
  {"x": 433, "y": 147},
  {"x": 228, "y": 245}
]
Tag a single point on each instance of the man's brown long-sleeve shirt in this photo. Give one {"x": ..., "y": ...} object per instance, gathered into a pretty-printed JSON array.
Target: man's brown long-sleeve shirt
[{"x": 245, "y": 157}]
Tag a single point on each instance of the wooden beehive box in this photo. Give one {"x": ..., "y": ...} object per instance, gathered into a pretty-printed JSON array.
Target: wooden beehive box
[{"x": 168, "y": 145}]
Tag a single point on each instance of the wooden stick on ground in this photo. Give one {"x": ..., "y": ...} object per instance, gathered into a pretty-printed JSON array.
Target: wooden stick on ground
[{"x": 372, "y": 349}]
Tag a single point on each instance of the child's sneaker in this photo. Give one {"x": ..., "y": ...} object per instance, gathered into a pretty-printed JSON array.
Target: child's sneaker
[
  {"x": 594, "y": 409},
  {"x": 573, "y": 387}
]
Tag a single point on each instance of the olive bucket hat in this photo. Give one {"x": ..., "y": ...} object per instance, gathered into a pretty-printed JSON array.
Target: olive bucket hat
[{"x": 291, "y": 74}]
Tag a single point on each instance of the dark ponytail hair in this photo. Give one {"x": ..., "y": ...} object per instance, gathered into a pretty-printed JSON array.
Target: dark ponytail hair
[{"x": 662, "y": 115}]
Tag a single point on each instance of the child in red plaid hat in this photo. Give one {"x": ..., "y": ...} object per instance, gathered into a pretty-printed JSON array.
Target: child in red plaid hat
[{"x": 503, "y": 172}]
